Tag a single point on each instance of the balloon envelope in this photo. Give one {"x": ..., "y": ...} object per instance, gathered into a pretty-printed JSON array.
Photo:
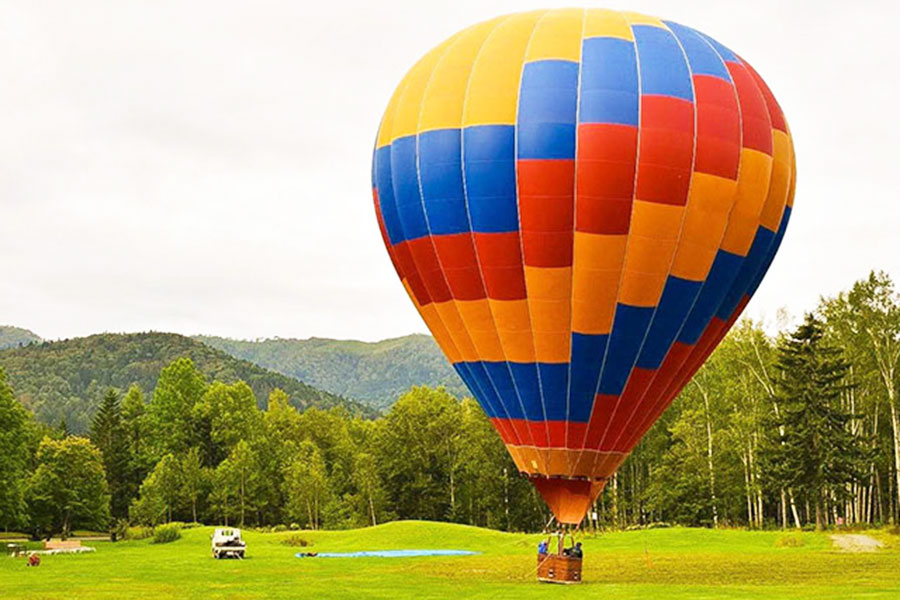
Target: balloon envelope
[{"x": 580, "y": 204}]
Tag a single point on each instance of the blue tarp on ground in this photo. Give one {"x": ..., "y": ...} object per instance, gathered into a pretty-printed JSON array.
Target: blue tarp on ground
[{"x": 388, "y": 553}]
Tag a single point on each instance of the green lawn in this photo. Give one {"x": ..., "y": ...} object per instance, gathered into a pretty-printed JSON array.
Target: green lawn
[{"x": 677, "y": 563}]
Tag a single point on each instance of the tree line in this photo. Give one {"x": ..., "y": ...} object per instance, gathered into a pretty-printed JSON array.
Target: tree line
[
  {"x": 799, "y": 429},
  {"x": 204, "y": 452}
]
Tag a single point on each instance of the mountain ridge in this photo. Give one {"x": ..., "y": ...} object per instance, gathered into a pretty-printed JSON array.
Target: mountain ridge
[
  {"x": 12, "y": 337},
  {"x": 64, "y": 379},
  {"x": 372, "y": 372}
]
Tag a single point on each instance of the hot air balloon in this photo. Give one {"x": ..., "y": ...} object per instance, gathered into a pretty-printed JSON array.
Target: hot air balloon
[{"x": 580, "y": 203}]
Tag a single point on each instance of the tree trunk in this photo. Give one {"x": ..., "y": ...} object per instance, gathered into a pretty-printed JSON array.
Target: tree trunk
[
  {"x": 65, "y": 525},
  {"x": 819, "y": 524},
  {"x": 895, "y": 431},
  {"x": 709, "y": 460},
  {"x": 242, "y": 502},
  {"x": 506, "y": 496},
  {"x": 879, "y": 501},
  {"x": 782, "y": 505},
  {"x": 759, "y": 508},
  {"x": 614, "y": 499},
  {"x": 756, "y": 492},
  {"x": 452, "y": 492},
  {"x": 750, "y": 519},
  {"x": 794, "y": 509}
]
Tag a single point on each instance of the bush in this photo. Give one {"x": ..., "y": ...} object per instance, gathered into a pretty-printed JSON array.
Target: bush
[
  {"x": 119, "y": 530},
  {"x": 138, "y": 533},
  {"x": 296, "y": 540},
  {"x": 789, "y": 540},
  {"x": 164, "y": 534},
  {"x": 293, "y": 526},
  {"x": 278, "y": 528}
]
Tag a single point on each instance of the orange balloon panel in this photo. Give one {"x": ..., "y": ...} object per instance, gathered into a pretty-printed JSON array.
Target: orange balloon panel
[{"x": 580, "y": 203}]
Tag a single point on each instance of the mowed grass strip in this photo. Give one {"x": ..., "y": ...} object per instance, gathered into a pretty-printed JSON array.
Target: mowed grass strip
[{"x": 674, "y": 563}]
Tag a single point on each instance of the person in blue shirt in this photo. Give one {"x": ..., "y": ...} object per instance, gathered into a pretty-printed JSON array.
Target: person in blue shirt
[{"x": 542, "y": 547}]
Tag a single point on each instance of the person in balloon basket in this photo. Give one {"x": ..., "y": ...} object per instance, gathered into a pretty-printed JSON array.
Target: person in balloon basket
[
  {"x": 574, "y": 552},
  {"x": 542, "y": 548}
]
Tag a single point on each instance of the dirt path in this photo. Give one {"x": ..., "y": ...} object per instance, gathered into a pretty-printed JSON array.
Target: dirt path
[{"x": 854, "y": 542}]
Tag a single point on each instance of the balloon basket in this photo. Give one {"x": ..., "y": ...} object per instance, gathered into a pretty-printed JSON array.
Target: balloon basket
[{"x": 553, "y": 568}]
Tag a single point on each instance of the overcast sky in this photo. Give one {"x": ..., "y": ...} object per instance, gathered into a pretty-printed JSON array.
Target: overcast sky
[{"x": 203, "y": 167}]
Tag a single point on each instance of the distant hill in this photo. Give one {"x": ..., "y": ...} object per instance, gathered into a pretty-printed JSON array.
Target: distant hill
[
  {"x": 13, "y": 337},
  {"x": 65, "y": 379},
  {"x": 374, "y": 373}
]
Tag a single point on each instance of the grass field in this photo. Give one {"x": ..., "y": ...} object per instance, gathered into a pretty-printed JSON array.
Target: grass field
[{"x": 676, "y": 563}]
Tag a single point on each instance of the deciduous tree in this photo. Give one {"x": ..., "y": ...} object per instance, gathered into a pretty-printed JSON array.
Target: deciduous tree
[{"x": 68, "y": 489}]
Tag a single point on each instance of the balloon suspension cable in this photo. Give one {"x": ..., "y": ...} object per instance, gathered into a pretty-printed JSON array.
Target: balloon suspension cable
[{"x": 547, "y": 526}]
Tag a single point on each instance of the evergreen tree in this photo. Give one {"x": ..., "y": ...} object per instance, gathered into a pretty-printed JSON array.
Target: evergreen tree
[
  {"x": 816, "y": 453},
  {"x": 109, "y": 436},
  {"x": 136, "y": 430}
]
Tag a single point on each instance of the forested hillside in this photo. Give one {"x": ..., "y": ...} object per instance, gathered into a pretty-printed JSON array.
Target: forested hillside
[
  {"x": 65, "y": 380},
  {"x": 796, "y": 430},
  {"x": 13, "y": 337},
  {"x": 374, "y": 373}
]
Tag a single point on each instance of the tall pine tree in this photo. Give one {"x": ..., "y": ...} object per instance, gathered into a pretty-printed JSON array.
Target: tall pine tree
[
  {"x": 110, "y": 437},
  {"x": 816, "y": 455}
]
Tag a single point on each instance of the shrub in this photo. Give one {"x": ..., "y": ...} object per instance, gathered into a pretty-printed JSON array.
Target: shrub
[
  {"x": 119, "y": 530},
  {"x": 138, "y": 533},
  {"x": 278, "y": 528},
  {"x": 296, "y": 540},
  {"x": 164, "y": 534},
  {"x": 789, "y": 540},
  {"x": 293, "y": 526}
]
